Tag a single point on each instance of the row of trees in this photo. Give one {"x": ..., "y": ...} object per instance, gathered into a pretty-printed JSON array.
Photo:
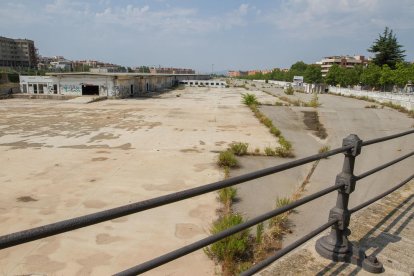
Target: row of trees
[
  {"x": 386, "y": 69},
  {"x": 310, "y": 72},
  {"x": 373, "y": 75}
]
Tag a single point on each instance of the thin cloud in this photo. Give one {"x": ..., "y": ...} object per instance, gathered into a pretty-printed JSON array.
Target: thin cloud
[{"x": 321, "y": 18}]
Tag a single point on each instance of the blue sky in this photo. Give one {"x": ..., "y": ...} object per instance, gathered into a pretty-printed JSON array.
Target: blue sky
[{"x": 196, "y": 34}]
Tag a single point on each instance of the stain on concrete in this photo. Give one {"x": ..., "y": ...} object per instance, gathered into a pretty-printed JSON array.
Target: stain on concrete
[
  {"x": 95, "y": 203},
  {"x": 311, "y": 120},
  {"x": 187, "y": 230},
  {"x": 103, "y": 238},
  {"x": 126, "y": 146},
  {"x": 92, "y": 261},
  {"x": 191, "y": 150},
  {"x": 220, "y": 143},
  {"x": 99, "y": 159},
  {"x": 22, "y": 145},
  {"x": 202, "y": 167},
  {"x": 49, "y": 246},
  {"x": 42, "y": 264},
  {"x": 103, "y": 136},
  {"x": 26, "y": 199},
  {"x": 202, "y": 211},
  {"x": 173, "y": 187},
  {"x": 120, "y": 220}
]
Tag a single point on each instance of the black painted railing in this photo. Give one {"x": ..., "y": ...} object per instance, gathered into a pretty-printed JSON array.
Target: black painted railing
[{"x": 335, "y": 246}]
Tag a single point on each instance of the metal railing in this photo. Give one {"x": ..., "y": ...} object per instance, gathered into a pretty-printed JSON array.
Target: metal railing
[{"x": 335, "y": 246}]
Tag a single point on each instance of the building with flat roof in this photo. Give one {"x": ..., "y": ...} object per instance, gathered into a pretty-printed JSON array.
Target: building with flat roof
[
  {"x": 171, "y": 70},
  {"x": 17, "y": 53},
  {"x": 343, "y": 61},
  {"x": 119, "y": 85},
  {"x": 235, "y": 74}
]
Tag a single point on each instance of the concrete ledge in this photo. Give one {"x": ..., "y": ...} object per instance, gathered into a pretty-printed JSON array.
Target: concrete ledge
[
  {"x": 43, "y": 96},
  {"x": 384, "y": 229}
]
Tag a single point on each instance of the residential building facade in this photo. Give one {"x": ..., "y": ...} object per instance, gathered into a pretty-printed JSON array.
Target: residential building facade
[
  {"x": 17, "y": 53},
  {"x": 235, "y": 74},
  {"x": 170, "y": 70},
  {"x": 343, "y": 61}
]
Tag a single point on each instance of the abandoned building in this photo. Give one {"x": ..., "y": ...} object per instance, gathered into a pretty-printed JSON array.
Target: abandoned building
[{"x": 119, "y": 85}]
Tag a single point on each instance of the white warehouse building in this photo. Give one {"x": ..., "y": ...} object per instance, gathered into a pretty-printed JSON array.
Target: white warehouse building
[{"x": 119, "y": 85}]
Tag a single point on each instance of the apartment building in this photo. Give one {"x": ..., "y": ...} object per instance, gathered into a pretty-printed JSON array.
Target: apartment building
[
  {"x": 235, "y": 74},
  {"x": 344, "y": 61},
  {"x": 17, "y": 53},
  {"x": 171, "y": 70}
]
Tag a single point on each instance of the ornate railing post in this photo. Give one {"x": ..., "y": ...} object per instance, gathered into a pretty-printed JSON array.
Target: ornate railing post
[{"x": 336, "y": 246}]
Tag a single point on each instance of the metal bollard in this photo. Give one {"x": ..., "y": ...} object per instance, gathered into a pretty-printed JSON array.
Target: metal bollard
[{"x": 336, "y": 246}]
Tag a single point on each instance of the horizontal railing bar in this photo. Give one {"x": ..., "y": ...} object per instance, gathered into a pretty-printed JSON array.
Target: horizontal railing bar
[
  {"x": 365, "y": 204},
  {"x": 382, "y": 139},
  {"x": 256, "y": 268},
  {"x": 379, "y": 168},
  {"x": 98, "y": 217},
  {"x": 168, "y": 257}
]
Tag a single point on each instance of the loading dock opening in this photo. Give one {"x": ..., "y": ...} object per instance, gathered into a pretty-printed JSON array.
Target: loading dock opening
[{"x": 90, "y": 90}]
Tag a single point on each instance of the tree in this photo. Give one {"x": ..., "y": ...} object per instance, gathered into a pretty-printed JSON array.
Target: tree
[
  {"x": 371, "y": 75},
  {"x": 332, "y": 77},
  {"x": 387, "y": 76},
  {"x": 313, "y": 74},
  {"x": 387, "y": 50},
  {"x": 299, "y": 66}
]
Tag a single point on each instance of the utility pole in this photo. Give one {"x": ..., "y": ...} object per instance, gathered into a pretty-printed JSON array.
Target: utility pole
[{"x": 212, "y": 69}]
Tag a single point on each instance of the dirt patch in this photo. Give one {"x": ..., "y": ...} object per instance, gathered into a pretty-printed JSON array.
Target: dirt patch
[
  {"x": 311, "y": 120},
  {"x": 99, "y": 159},
  {"x": 26, "y": 199}
]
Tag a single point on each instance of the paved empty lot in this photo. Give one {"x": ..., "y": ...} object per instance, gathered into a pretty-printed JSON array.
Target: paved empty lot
[{"x": 60, "y": 160}]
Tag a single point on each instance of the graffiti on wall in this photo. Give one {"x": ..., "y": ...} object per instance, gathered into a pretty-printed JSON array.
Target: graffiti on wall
[
  {"x": 71, "y": 88},
  {"x": 121, "y": 91}
]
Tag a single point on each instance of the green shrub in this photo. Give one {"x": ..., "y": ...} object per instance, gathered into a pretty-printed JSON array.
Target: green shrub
[
  {"x": 239, "y": 148},
  {"x": 314, "y": 102},
  {"x": 226, "y": 197},
  {"x": 282, "y": 152},
  {"x": 227, "y": 159},
  {"x": 267, "y": 122},
  {"x": 324, "y": 149},
  {"x": 289, "y": 90},
  {"x": 231, "y": 248},
  {"x": 269, "y": 151},
  {"x": 259, "y": 233},
  {"x": 275, "y": 131},
  {"x": 285, "y": 143},
  {"x": 285, "y": 148},
  {"x": 278, "y": 224},
  {"x": 249, "y": 99}
]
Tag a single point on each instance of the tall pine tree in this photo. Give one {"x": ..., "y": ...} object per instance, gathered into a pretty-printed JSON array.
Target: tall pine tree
[{"x": 387, "y": 50}]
